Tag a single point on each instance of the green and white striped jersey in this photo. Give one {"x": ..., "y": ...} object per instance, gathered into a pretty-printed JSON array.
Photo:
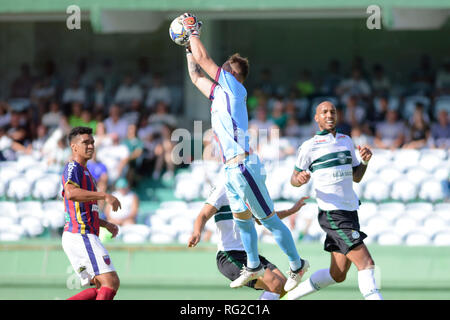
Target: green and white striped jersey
[
  {"x": 228, "y": 232},
  {"x": 330, "y": 160}
]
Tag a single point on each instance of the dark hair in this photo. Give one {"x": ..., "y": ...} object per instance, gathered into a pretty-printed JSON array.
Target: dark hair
[
  {"x": 78, "y": 131},
  {"x": 243, "y": 64}
]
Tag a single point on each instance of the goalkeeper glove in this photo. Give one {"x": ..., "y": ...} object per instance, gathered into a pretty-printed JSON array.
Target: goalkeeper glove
[{"x": 191, "y": 24}]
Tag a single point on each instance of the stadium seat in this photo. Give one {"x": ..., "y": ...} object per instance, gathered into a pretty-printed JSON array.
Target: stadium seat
[
  {"x": 9, "y": 237},
  {"x": 134, "y": 233},
  {"x": 404, "y": 225},
  {"x": 182, "y": 223},
  {"x": 30, "y": 208},
  {"x": 390, "y": 175},
  {"x": 442, "y": 210},
  {"x": 376, "y": 225},
  {"x": 9, "y": 209},
  {"x": 390, "y": 210},
  {"x": 404, "y": 190},
  {"x": 417, "y": 238},
  {"x": 419, "y": 210},
  {"x": 406, "y": 158},
  {"x": 32, "y": 225},
  {"x": 25, "y": 162},
  {"x": 19, "y": 188},
  {"x": 417, "y": 175},
  {"x": 8, "y": 172},
  {"x": 441, "y": 174},
  {"x": 183, "y": 237},
  {"x": 46, "y": 188},
  {"x": 433, "y": 225},
  {"x": 34, "y": 173},
  {"x": 376, "y": 190},
  {"x": 295, "y": 193},
  {"x": 366, "y": 211},
  {"x": 389, "y": 238},
  {"x": 410, "y": 105},
  {"x": 175, "y": 205},
  {"x": 54, "y": 216},
  {"x": 430, "y": 162},
  {"x": 442, "y": 239},
  {"x": 162, "y": 238},
  {"x": 432, "y": 190},
  {"x": 187, "y": 190}
]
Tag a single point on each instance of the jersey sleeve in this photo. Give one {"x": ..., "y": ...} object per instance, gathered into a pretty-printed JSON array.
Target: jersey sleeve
[
  {"x": 73, "y": 174},
  {"x": 218, "y": 197},
  {"x": 303, "y": 160},
  {"x": 227, "y": 82}
]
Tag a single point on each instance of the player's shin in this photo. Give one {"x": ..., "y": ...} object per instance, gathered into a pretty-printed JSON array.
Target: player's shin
[
  {"x": 318, "y": 280},
  {"x": 284, "y": 239},
  {"x": 249, "y": 239},
  {"x": 367, "y": 285}
]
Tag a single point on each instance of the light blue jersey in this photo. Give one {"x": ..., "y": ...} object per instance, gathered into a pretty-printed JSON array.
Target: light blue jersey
[{"x": 229, "y": 118}]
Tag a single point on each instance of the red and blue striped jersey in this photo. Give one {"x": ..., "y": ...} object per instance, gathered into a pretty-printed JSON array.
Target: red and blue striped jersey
[{"x": 81, "y": 217}]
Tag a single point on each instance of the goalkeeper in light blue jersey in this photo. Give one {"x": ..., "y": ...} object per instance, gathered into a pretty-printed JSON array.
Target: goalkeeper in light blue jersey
[{"x": 245, "y": 176}]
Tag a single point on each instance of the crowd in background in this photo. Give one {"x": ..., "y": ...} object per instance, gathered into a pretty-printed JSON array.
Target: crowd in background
[{"x": 132, "y": 115}]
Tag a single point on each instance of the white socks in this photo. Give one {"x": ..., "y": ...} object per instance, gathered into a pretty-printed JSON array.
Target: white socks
[
  {"x": 318, "y": 280},
  {"x": 267, "y": 295},
  {"x": 367, "y": 285}
]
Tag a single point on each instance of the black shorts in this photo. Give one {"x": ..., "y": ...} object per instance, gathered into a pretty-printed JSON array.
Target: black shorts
[
  {"x": 231, "y": 262},
  {"x": 342, "y": 229}
]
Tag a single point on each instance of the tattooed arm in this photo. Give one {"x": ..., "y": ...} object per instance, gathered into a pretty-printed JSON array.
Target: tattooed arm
[{"x": 198, "y": 78}]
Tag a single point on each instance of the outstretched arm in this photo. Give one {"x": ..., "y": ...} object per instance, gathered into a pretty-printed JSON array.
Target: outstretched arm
[
  {"x": 197, "y": 76},
  {"x": 205, "y": 214}
]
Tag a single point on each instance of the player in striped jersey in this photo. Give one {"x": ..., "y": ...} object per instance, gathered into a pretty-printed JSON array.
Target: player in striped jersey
[
  {"x": 231, "y": 256},
  {"x": 80, "y": 241},
  {"x": 329, "y": 158}
]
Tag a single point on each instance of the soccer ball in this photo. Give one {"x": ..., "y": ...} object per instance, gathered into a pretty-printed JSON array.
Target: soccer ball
[{"x": 177, "y": 32}]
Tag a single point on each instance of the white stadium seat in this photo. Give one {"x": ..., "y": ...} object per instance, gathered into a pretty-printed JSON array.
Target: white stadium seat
[
  {"x": 430, "y": 162},
  {"x": 405, "y": 225},
  {"x": 182, "y": 224},
  {"x": 390, "y": 175},
  {"x": 376, "y": 225},
  {"x": 30, "y": 208},
  {"x": 406, "y": 158},
  {"x": 442, "y": 173},
  {"x": 376, "y": 190},
  {"x": 419, "y": 210},
  {"x": 9, "y": 209},
  {"x": 54, "y": 214},
  {"x": 19, "y": 188},
  {"x": 176, "y": 205},
  {"x": 45, "y": 188},
  {"x": 366, "y": 211},
  {"x": 390, "y": 210},
  {"x": 417, "y": 175},
  {"x": 433, "y": 225},
  {"x": 417, "y": 238},
  {"x": 442, "y": 239},
  {"x": 380, "y": 161},
  {"x": 432, "y": 190},
  {"x": 404, "y": 190},
  {"x": 296, "y": 193},
  {"x": 162, "y": 238},
  {"x": 32, "y": 225},
  {"x": 389, "y": 238},
  {"x": 134, "y": 233}
]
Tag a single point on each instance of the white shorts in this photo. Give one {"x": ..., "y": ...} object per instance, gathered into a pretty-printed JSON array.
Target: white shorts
[{"x": 87, "y": 255}]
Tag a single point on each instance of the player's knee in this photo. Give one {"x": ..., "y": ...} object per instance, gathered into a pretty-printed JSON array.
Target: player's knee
[
  {"x": 112, "y": 281},
  {"x": 338, "y": 276}
]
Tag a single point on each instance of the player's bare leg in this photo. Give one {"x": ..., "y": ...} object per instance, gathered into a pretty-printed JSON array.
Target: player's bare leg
[
  {"x": 107, "y": 285},
  {"x": 363, "y": 261},
  {"x": 272, "y": 282},
  {"x": 339, "y": 266}
]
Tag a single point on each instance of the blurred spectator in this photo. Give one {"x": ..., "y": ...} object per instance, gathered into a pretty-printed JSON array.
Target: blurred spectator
[
  {"x": 115, "y": 158},
  {"x": 422, "y": 78},
  {"x": 99, "y": 98},
  {"x": 84, "y": 74},
  {"x": 110, "y": 78},
  {"x": 162, "y": 117},
  {"x": 38, "y": 143},
  {"x": 9, "y": 148},
  {"x": 52, "y": 118},
  {"x": 87, "y": 120},
  {"x": 129, "y": 202},
  {"x": 390, "y": 134},
  {"x": 355, "y": 85},
  {"x": 43, "y": 91},
  {"x": 305, "y": 84},
  {"x": 279, "y": 116},
  {"x": 115, "y": 124},
  {"x": 159, "y": 92},
  {"x": 144, "y": 76},
  {"x": 75, "y": 114},
  {"x": 420, "y": 108},
  {"x": 360, "y": 138},
  {"x": 102, "y": 139},
  {"x": 128, "y": 92},
  {"x": 135, "y": 148},
  {"x": 74, "y": 93},
  {"x": 354, "y": 113},
  {"x": 293, "y": 128},
  {"x": 419, "y": 131},
  {"x": 261, "y": 121},
  {"x": 265, "y": 83},
  {"x": 443, "y": 79},
  {"x": 5, "y": 114},
  {"x": 57, "y": 157},
  {"x": 381, "y": 109},
  {"x": 18, "y": 128},
  {"x": 380, "y": 82},
  {"x": 133, "y": 114},
  {"x": 23, "y": 84},
  {"x": 342, "y": 125},
  {"x": 331, "y": 79},
  {"x": 163, "y": 153},
  {"x": 254, "y": 100},
  {"x": 440, "y": 131}
]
